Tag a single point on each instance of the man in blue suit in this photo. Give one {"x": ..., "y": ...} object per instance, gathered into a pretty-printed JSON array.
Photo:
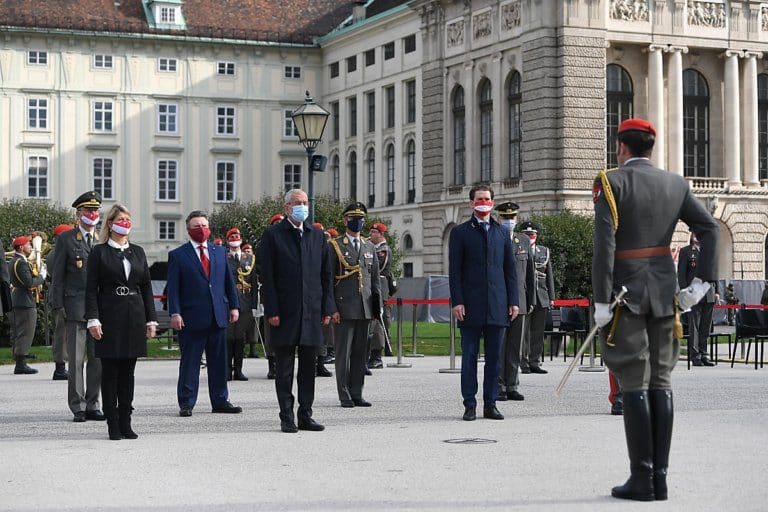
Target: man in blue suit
[
  {"x": 484, "y": 296},
  {"x": 202, "y": 299}
]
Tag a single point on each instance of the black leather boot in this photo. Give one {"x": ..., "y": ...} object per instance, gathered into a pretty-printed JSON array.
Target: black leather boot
[
  {"x": 113, "y": 425},
  {"x": 239, "y": 354},
  {"x": 60, "y": 373},
  {"x": 637, "y": 429},
  {"x": 124, "y": 422},
  {"x": 22, "y": 368},
  {"x": 662, "y": 414}
]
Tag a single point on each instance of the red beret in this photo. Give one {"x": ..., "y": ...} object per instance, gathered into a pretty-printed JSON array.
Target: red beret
[
  {"x": 246, "y": 246},
  {"x": 637, "y": 124},
  {"x": 20, "y": 240},
  {"x": 276, "y": 218},
  {"x": 333, "y": 232},
  {"x": 379, "y": 227},
  {"x": 217, "y": 241},
  {"x": 233, "y": 231},
  {"x": 61, "y": 228},
  {"x": 319, "y": 226}
]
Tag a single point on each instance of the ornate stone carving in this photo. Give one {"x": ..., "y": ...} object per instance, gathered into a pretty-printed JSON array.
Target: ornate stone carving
[
  {"x": 629, "y": 10},
  {"x": 706, "y": 14},
  {"x": 510, "y": 15},
  {"x": 455, "y": 34},
  {"x": 481, "y": 25},
  {"x": 764, "y": 19}
]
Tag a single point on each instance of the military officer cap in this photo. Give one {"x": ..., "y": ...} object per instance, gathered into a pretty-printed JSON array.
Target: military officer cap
[
  {"x": 233, "y": 234},
  {"x": 91, "y": 199},
  {"x": 356, "y": 209},
  {"x": 637, "y": 124},
  {"x": 380, "y": 227},
  {"x": 20, "y": 240},
  {"x": 529, "y": 227},
  {"x": 507, "y": 209}
]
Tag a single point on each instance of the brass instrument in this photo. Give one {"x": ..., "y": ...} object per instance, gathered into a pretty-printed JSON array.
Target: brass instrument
[{"x": 36, "y": 260}]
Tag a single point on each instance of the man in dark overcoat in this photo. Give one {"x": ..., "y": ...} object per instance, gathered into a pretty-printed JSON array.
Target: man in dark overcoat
[{"x": 296, "y": 283}]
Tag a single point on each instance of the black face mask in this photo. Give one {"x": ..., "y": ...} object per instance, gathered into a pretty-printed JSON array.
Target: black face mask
[{"x": 355, "y": 225}]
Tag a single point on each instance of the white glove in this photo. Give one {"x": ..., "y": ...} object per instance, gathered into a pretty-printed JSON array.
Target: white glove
[
  {"x": 690, "y": 296},
  {"x": 603, "y": 314},
  {"x": 44, "y": 272}
]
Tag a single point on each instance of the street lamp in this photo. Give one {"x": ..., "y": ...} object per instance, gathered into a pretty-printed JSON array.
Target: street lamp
[{"x": 310, "y": 120}]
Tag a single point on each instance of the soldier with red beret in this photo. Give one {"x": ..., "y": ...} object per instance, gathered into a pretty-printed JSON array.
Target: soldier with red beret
[
  {"x": 241, "y": 266},
  {"x": 25, "y": 281}
]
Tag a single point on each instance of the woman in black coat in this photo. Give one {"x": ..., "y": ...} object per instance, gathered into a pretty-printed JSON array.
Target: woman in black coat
[{"x": 121, "y": 316}]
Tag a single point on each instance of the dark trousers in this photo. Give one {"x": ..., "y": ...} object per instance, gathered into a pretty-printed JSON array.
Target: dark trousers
[
  {"x": 699, "y": 326},
  {"x": 351, "y": 356},
  {"x": 511, "y": 353},
  {"x": 533, "y": 347},
  {"x": 235, "y": 353},
  {"x": 305, "y": 380},
  {"x": 470, "y": 346},
  {"x": 192, "y": 344},
  {"x": 117, "y": 384}
]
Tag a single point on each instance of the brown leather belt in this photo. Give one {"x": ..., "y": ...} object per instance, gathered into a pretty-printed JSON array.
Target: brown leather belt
[{"x": 644, "y": 252}]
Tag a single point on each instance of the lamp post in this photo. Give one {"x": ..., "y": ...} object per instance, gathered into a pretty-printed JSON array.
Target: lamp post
[{"x": 310, "y": 120}]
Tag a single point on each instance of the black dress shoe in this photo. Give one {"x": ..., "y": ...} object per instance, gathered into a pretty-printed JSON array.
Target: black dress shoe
[
  {"x": 706, "y": 362},
  {"x": 185, "y": 412},
  {"x": 240, "y": 376},
  {"x": 375, "y": 364},
  {"x": 492, "y": 413},
  {"x": 360, "y": 402},
  {"x": 514, "y": 395},
  {"x": 501, "y": 396},
  {"x": 95, "y": 415},
  {"x": 469, "y": 414},
  {"x": 310, "y": 424},
  {"x": 289, "y": 427},
  {"x": 368, "y": 372},
  {"x": 536, "y": 369},
  {"x": 525, "y": 370},
  {"x": 227, "y": 408},
  {"x": 347, "y": 403},
  {"x": 79, "y": 417},
  {"x": 697, "y": 362},
  {"x": 322, "y": 371}
]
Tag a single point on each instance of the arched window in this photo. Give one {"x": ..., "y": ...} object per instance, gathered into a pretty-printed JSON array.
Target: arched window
[
  {"x": 407, "y": 243},
  {"x": 353, "y": 175},
  {"x": 410, "y": 164},
  {"x": 336, "y": 177},
  {"x": 486, "y": 131},
  {"x": 390, "y": 175},
  {"x": 618, "y": 107},
  {"x": 695, "y": 124},
  {"x": 371, "y": 164},
  {"x": 514, "y": 102},
  {"x": 459, "y": 138},
  {"x": 762, "y": 124}
]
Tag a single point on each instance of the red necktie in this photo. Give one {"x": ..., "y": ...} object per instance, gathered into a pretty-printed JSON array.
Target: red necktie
[{"x": 204, "y": 260}]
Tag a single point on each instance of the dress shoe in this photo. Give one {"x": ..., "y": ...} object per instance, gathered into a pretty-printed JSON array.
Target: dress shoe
[
  {"x": 185, "y": 412},
  {"x": 706, "y": 362},
  {"x": 492, "y": 413},
  {"x": 697, "y": 362},
  {"x": 22, "y": 368},
  {"x": 368, "y": 372},
  {"x": 321, "y": 370},
  {"x": 240, "y": 376},
  {"x": 501, "y": 396},
  {"x": 514, "y": 395},
  {"x": 227, "y": 408},
  {"x": 60, "y": 373},
  {"x": 288, "y": 426},
  {"x": 536, "y": 369},
  {"x": 375, "y": 364},
  {"x": 79, "y": 417},
  {"x": 470, "y": 414},
  {"x": 95, "y": 415},
  {"x": 525, "y": 370},
  {"x": 310, "y": 424},
  {"x": 360, "y": 402},
  {"x": 347, "y": 403}
]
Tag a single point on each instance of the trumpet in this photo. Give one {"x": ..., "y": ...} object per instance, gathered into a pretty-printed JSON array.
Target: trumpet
[{"x": 36, "y": 260}]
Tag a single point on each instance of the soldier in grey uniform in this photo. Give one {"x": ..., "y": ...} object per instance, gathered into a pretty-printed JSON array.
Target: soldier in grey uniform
[
  {"x": 637, "y": 208},
  {"x": 533, "y": 347},
  {"x": 6, "y": 303},
  {"x": 241, "y": 266},
  {"x": 59, "y": 343},
  {"x": 357, "y": 293},
  {"x": 68, "y": 291},
  {"x": 25, "y": 294},
  {"x": 378, "y": 338},
  {"x": 512, "y": 345},
  {"x": 700, "y": 315}
]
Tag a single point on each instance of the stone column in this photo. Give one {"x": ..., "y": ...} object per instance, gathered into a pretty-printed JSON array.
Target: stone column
[
  {"x": 675, "y": 112},
  {"x": 749, "y": 125},
  {"x": 656, "y": 102},
  {"x": 732, "y": 129}
]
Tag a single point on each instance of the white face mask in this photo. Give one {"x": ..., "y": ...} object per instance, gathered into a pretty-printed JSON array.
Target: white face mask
[
  {"x": 509, "y": 224},
  {"x": 235, "y": 243}
]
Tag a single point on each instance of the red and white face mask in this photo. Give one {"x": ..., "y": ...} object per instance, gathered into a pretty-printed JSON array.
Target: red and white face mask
[
  {"x": 122, "y": 227},
  {"x": 90, "y": 218},
  {"x": 199, "y": 234},
  {"x": 483, "y": 207}
]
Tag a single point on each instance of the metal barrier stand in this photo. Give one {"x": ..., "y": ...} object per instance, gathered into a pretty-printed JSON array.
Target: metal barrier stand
[
  {"x": 413, "y": 336},
  {"x": 452, "y": 330},
  {"x": 399, "y": 363},
  {"x": 591, "y": 367}
]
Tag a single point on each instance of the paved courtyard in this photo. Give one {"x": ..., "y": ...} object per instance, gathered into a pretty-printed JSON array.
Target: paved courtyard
[{"x": 549, "y": 454}]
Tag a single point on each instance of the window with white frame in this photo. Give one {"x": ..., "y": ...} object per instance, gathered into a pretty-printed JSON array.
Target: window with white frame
[
  {"x": 166, "y": 65},
  {"x": 167, "y": 180},
  {"x": 390, "y": 175},
  {"x": 225, "y": 120},
  {"x": 37, "y": 114},
  {"x": 292, "y": 72},
  {"x": 410, "y": 101},
  {"x": 37, "y": 176},
  {"x": 352, "y": 109},
  {"x": 410, "y": 164},
  {"x": 166, "y": 230},
  {"x": 167, "y": 118},
  {"x": 390, "y": 105},
  {"x": 370, "y": 98},
  {"x": 225, "y": 181},
  {"x": 289, "y": 128},
  {"x": 291, "y": 177},
  {"x": 167, "y": 15},
  {"x": 102, "y": 61},
  {"x": 225, "y": 68},
  {"x": 103, "y": 177},
  {"x": 371, "y": 164},
  {"x": 102, "y": 116},
  {"x": 37, "y": 58},
  {"x": 336, "y": 177}
]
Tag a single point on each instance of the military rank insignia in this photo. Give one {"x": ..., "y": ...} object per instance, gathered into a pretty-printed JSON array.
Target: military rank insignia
[{"x": 597, "y": 192}]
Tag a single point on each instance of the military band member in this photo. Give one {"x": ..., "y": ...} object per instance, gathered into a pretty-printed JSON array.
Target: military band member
[
  {"x": 358, "y": 299},
  {"x": 544, "y": 298},
  {"x": 25, "y": 294},
  {"x": 512, "y": 345},
  {"x": 241, "y": 266},
  {"x": 59, "y": 343},
  {"x": 378, "y": 338},
  {"x": 637, "y": 208},
  {"x": 700, "y": 316},
  {"x": 6, "y": 305}
]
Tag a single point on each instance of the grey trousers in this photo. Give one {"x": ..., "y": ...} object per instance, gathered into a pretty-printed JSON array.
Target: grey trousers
[
  {"x": 59, "y": 342},
  {"x": 351, "y": 356},
  {"x": 533, "y": 348},
  {"x": 699, "y": 325},
  {"x": 83, "y": 393},
  {"x": 511, "y": 354},
  {"x": 24, "y": 323}
]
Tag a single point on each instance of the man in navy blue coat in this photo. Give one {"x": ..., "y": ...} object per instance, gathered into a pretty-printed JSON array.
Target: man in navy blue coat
[
  {"x": 483, "y": 283},
  {"x": 297, "y": 283},
  {"x": 202, "y": 300}
]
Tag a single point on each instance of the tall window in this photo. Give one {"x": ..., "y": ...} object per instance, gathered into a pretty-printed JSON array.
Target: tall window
[
  {"x": 225, "y": 181},
  {"x": 370, "y": 57},
  {"x": 351, "y": 64},
  {"x": 336, "y": 177},
  {"x": 370, "y": 98},
  {"x": 352, "y": 104},
  {"x": 390, "y": 175},
  {"x": 389, "y": 50},
  {"x": 291, "y": 177},
  {"x": 37, "y": 114},
  {"x": 695, "y": 124},
  {"x": 334, "y": 68},
  {"x": 166, "y": 230},
  {"x": 102, "y": 177},
  {"x": 37, "y": 176},
  {"x": 225, "y": 120},
  {"x": 618, "y": 107},
  {"x": 486, "y": 131},
  {"x": 167, "y": 180},
  {"x": 335, "y": 120},
  {"x": 514, "y": 101},
  {"x": 102, "y": 116},
  {"x": 353, "y": 175},
  {"x": 371, "y": 164},
  {"x": 459, "y": 138},
  {"x": 289, "y": 129},
  {"x": 167, "y": 117},
  {"x": 410, "y": 165},
  {"x": 410, "y": 101},
  {"x": 762, "y": 124},
  {"x": 390, "y": 95},
  {"x": 409, "y": 43}
]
